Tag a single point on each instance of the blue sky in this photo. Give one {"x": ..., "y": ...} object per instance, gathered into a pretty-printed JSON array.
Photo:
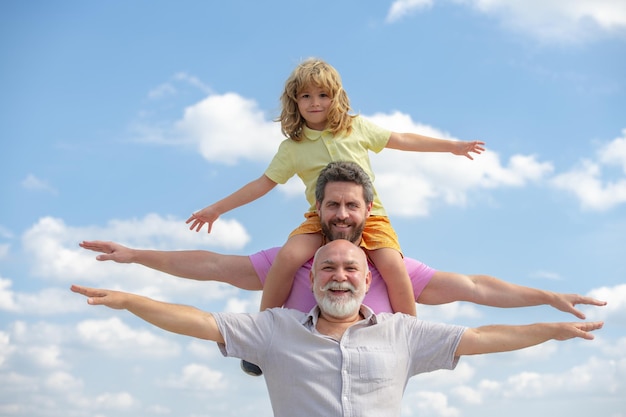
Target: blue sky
[{"x": 119, "y": 119}]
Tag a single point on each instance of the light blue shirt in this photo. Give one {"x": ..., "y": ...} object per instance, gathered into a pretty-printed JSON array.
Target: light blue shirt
[{"x": 364, "y": 374}]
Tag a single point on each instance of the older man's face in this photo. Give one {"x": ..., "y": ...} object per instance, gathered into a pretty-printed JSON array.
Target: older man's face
[
  {"x": 340, "y": 278},
  {"x": 343, "y": 211}
]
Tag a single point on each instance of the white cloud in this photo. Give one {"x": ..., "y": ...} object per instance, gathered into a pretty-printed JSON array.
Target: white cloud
[
  {"x": 6, "y": 349},
  {"x": 403, "y": 8},
  {"x": 587, "y": 182},
  {"x": 46, "y": 301},
  {"x": 616, "y": 304},
  {"x": 31, "y": 182},
  {"x": 195, "y": 377},
  {"x": 227, "y": 128},
  {"x": 115, "y": 401},
  {"x": 55, "y": 252},
  {"x": 448, "y": 313},
  {"x": 593, "y": 376},
  {"x": 46, "y": 356},
  {"x": 62, "y": 381},
  {"x": 431, "y": 403},
  {"x": 202, "y": 349},
  {"x": 411, "y": 183},
  {"x": 614, "y": 153},
  {"x": 162, "y": 90},
  {"x": 116, "y": 338},
  {"x": 250, "y": 304},
  {"x": 553, "y": 21},
  {"x": 468, "y": 395},
  {"x": 193, "y": 81}
]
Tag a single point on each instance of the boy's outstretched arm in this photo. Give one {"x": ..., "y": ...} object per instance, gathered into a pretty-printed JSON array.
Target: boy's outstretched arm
[
  {"x": 420, "y": 143},
  {"x": 175, "y": 318},
  {"x": 502, "y": 338},
  {"x": 246, "y": 194}
]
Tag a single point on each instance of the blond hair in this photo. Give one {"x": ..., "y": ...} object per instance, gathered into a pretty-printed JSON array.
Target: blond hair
[{"x": 314, "y": 72}]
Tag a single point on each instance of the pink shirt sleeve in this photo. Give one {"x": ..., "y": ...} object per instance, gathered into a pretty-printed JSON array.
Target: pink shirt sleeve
[{"x": 301, "y": 298}]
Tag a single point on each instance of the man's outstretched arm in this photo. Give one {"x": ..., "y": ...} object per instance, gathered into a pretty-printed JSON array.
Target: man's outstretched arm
[
  {"x": 502, "y": 338},
  {"x": 446, "y": 287},
  {"x": 192, "y": 264},
  {"x": 174, "y": 318}
]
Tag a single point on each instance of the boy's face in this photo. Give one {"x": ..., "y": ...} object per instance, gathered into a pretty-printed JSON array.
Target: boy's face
[{"x": 313, "y": 105}]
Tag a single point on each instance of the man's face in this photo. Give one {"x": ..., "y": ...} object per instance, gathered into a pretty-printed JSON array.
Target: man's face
[
  {"x": 340, "y": 279},
  {"x": 343, "y": 211}
]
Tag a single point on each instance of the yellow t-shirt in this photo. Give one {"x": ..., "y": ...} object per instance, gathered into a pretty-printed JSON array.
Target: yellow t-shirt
[{"x": 317, "y": 149}]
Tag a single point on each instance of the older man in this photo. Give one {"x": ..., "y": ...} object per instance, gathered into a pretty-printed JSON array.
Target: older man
[{"x": 340, "y": 358}]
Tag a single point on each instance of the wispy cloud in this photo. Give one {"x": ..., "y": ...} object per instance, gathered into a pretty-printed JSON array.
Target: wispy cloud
[
  {"x": 569, "y": 21},
  {"x": 31, "y": 182}
]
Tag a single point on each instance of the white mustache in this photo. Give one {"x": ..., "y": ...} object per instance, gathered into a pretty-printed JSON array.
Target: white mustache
[{"x": 333, "y": 285}]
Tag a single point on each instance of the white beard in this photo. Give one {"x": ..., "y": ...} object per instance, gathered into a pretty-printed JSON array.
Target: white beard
[{"x": 336, "y": 306}]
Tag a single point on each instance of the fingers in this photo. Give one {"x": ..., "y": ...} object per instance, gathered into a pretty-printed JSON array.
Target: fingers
[
  {"x": 86, "y": 291},
  {"x": 196, "y": 223},
  {"x": 590, "y": 301},
  {"x": 94, "y": 245},
  {"x": 578, "y": 313},
  {"x": 98, "y": 246},
  {"x": 94, "y": 296},
  {"x": 585, "y": 328}
]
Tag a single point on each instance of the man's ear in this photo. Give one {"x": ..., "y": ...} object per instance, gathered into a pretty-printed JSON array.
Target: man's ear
[
  {"x": 369, "y": 209},
  {"x": 311, "y": 278},
  {"x": 368, "y": 280}
]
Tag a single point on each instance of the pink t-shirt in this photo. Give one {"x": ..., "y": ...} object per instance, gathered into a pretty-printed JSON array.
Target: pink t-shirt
[{"x": 301, "y": 298}]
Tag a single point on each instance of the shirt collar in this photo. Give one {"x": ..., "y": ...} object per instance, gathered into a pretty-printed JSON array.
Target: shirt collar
[
  {"x": 313, "y": 315},
  {"x": 311, "y": 134}
]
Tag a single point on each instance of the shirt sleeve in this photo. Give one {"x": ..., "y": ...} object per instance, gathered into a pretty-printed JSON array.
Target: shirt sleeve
[
  {"x": 300, "y": 297},
  {"x": 245, "y": 336},
  {"x": 378, "y": 137},
  {"x": 433, "y": 345},
  {"x": 282, "y": 167},
  {"x": 420, "y": 275}
]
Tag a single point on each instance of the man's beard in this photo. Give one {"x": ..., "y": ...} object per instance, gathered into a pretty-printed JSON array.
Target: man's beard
[
  {"x": 338, "y": 307},
  {"x": 353, "y": 234}
]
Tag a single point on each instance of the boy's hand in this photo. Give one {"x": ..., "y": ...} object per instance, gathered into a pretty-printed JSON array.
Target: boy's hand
[
  {"x": 198, "y": 219},
  {"x": 464, "y": 148}
]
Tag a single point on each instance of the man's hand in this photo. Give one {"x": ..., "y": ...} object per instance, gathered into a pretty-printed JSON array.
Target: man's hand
[
  {"x": 112, "y": 299},
  {"x": 111, "y": 251},
  {"x": 567, "y": 331},
  {"x": 566, "y": 303}
]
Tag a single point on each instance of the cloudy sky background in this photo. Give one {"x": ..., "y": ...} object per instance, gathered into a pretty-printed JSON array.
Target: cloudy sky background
[{"x": 119, "y": 119}]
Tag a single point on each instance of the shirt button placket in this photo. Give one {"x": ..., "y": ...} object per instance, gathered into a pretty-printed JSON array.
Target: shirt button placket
[
  {"x": 331, "y": 147},
  {"x": 346, "y": 381}
]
